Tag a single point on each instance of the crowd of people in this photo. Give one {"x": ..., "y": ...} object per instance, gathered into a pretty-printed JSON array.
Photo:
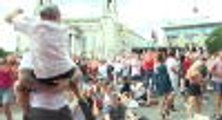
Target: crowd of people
[
  {"x": 46, "y": 82},
  {"x": 140, "y": 77},
  {"x": 109, "y": 89},
  {"x": 141, "y": 80}
]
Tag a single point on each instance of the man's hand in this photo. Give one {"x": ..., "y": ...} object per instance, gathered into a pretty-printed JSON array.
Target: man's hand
[{"x": 12, "y": 15}]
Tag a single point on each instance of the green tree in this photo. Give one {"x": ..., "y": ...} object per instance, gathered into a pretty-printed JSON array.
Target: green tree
[
  {"x": 214, "y": 41},
  {"x": 3, "y": 53}
]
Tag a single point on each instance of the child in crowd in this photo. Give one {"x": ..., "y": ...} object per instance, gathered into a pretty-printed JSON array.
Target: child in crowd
[
  {"x": 7, "y": 75},
  {"x": 51, "y": 61}
]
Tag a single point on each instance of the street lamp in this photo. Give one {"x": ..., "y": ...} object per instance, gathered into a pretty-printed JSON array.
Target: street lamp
[
  {"x": 42, "y": 2},
  {"x": 18, "y": 39},
  {"x": 109, "y": 2},
  {"x": 195, "y": 8}
]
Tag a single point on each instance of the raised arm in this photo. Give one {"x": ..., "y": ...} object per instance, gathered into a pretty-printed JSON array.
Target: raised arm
[
  {"x": 20, "y": 22},
  {"x": 9, "y": 18}
]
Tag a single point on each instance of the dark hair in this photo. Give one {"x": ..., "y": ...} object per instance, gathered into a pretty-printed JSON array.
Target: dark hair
[
  {"x": 193, "y": 49},
  {"x": 160, "y": 58},
  {"x": 172, "y": 53},
  {"x": 2, "y": 61},
  {"x": 50, "y": 12}
]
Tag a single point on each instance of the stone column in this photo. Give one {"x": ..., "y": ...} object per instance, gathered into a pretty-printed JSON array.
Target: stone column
[{"x": 111, "y": 44}]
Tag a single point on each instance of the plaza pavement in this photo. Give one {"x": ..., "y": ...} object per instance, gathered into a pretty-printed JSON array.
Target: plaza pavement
[{"x": 151, "y": 113}]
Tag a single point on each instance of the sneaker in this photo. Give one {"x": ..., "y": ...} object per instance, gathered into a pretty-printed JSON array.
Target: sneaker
[
  {"x": 173, "y": 109},
  {"x": 216, "y": 117},
  {"x": 143, "y": 118}
]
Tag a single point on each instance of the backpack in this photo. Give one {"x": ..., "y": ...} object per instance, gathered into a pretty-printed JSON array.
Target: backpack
[{"x": 203, "y": 70}]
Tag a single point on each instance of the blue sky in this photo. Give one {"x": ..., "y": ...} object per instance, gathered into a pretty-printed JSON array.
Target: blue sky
[{"x": 139, "y": 15}]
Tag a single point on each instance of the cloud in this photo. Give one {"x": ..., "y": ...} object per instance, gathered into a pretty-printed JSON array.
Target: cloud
[
  {"x": 143, "y": 15},
  {"x": 139, "y": 15},
  {"x": 79, "y": 10},
  {"x": 7, "y": 36}
]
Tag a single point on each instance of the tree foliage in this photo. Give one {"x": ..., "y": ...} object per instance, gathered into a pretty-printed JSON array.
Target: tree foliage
[
  {"x": 3, "y": 53},
  {"x": 214, "y": 41}
]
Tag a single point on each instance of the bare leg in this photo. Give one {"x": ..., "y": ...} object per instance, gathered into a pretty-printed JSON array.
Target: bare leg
[
  {"x": 74, "y": 89},
  {"x": 166, "y": 105},
  {"x": 191, "y": 105},
  {"x": 163, "y": 107},
  {"x": 218, "y": 101},
  {"x": 22, "y": 87},
  {"x": 169, "y": 102},
  {"x": 7, "y": 111},
  {"x": 198, "y": 104},
  {"x": 22, "y": 95},
  {"x": 73, "y": 84}
]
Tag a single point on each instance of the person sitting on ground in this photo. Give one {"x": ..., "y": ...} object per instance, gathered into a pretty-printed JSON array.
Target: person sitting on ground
[{"x": 118, "y": 109}]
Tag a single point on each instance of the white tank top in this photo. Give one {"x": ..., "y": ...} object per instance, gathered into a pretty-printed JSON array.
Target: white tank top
[
  {"x": 217, "y": 67},
  {"x": 48, "y": 100}
]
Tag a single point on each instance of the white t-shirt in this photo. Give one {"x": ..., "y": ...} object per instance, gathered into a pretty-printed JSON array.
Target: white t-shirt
[
  {"x": 43, "y": 99},
  {"x": 117, "y": 67},
  {"x": 216, "y": 66},
  {"x": 172, "y": 63},
  {"x": 107, "y": 100},
  {"x": 103, "y": 71},
  {"x": 49, "y": 48},
  {"x": 48, "y": 100},
  {"x": 135, "y": 67},
  {"x": 26, "y": 61}
]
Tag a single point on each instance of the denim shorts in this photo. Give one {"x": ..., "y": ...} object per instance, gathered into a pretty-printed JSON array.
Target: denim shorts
[
  {"x": 106, "y": 109},
  {"x": 217, "y": 87},
  {"x": 6, "y": 96},
  {"x": 136, "y": 78}
]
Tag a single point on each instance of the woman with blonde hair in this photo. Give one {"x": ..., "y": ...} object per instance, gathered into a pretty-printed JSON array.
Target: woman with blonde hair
[{"x": 195, "y": 79}]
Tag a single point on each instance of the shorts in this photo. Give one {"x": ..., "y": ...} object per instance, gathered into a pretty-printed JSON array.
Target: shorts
[
  {"x": 136, "y": 78},
  {"x": 106, "y": 109},
  {"x": 217, "y": 87},
  {"x": 6, "y": 96},
  {"x": 119, "y": 74},
  {"x": 51, "y": 81},
  {"x": 194, "y": 90},
  {"x": 63, "y": 113}
]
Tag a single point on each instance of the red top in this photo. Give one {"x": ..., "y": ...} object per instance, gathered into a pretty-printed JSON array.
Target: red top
[
  {"x": 148, "y": 65},
  {"x": 6, "y": 77},
  {"x": 148, "y": 62},
  {"x": 186, "y": 64}
]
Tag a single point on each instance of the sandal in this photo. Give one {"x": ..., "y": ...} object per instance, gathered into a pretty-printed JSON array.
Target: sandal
[{"x": 165, "y": 114}]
